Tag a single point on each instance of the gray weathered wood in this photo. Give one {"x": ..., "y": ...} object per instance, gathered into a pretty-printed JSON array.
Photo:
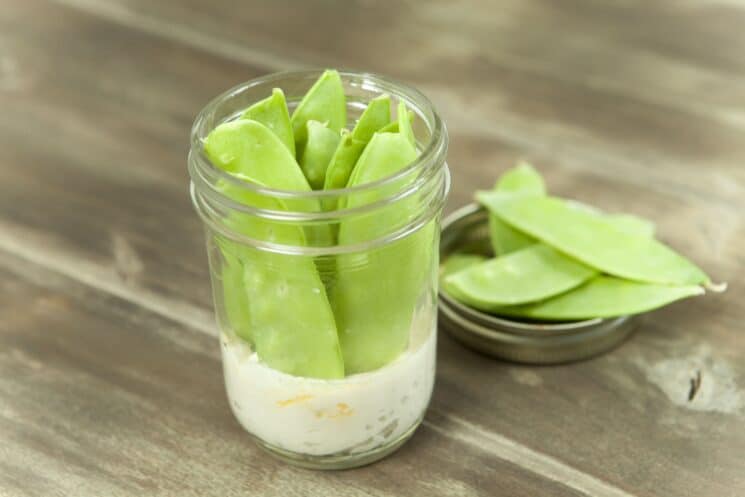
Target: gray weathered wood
[{"x": 100, "y": 397}]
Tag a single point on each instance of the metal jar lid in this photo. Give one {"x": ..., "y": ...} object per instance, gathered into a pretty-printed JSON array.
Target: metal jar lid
[{"x": 466, "y": 230}]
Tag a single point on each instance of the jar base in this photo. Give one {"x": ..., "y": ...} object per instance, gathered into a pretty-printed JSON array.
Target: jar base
[{"x": 342, "y": 460}]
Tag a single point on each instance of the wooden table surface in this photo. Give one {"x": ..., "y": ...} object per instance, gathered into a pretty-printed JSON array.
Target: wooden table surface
[{"x": 110, "y": 380}]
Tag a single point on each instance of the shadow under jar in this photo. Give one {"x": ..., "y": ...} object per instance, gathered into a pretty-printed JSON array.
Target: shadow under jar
[{"x": 347, "y": 296}]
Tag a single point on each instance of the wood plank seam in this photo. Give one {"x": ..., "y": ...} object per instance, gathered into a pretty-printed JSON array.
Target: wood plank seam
[{"x": 31, "y": 248}]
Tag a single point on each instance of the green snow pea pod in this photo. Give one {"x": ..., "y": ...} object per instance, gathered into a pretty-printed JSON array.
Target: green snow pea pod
[
  {"x": 324, "y": 102},
  {"x": 342, "y": 162},
  {"x": 528, "y": 275},
  {"x": 274, "y": 301},
  {"x": 386, "y": 154},
  {"x": 522, "y": 179},
  {"x": 603, "y": 297},
  {"x": 392, "y": 127},
  {"x": 631, "y": 224},
  {"x": 401, "y": 123},
  {"x": 404, "y": 123},
  {"x": 628, "y": 223},
  {"x": 250, "y": 149},
  {"x": 234, "y": 291},
  {"x": 272, "y": 113},
  {"x": 278, "y": 304},
  {"x": 506, "y": 239},
  {"x": 376, "y": 115},
  {"x": 319, "y": 149},
  {"x": 291, "y": 316},
  {"x": 595, "y": 242},
  {"x": 376, "y": 291},
  {"x": 458, "y": 262}
]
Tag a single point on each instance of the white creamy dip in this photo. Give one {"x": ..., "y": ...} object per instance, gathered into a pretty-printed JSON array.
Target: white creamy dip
[{"x": 322, "y": 417}]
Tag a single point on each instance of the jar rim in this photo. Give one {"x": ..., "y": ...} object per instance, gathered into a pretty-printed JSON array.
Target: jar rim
[
  {"x": 313, "y": 251},
  {"x": 436, "y": 146}
]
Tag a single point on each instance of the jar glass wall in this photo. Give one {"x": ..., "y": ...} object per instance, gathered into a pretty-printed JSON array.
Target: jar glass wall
[{"x": 327, "y": 315}]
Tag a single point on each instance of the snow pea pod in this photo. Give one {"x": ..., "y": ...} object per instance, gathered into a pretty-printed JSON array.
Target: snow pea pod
[
  {"x": 234, "y": 292},
  {"x": 324, "y": 102},
  {"x": 522, "y": 179},
  {"x": 603, "y": 297},
  {"x": 628, "y": 223},
  {"x": 294, "y": 325},
  {"x": 457, "y": 262},
  {"x": 592, "y": 240},
  {"x": 505, "y": 239},
  {"x": 401, "y": 123},
  {"x": 376, "y": 115},
  {"x": 528, "y": 275},
  {"x": 251, "y": 150},
  {"x": 376, "y": 291},
  {"x": 342, "y": 163},
  {"x": 392, "y": 127},
  {"x": 319, "y": 148},
  {"x": 404, "y": 123},
  {"x": 272, "y": 113},
  {"x": 276, "y": 302},
  {"x": 631, "y": 224}
]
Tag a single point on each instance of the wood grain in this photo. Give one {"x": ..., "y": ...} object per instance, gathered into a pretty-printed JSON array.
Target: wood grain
[
  {"x": 606, "y": 99},
  {"x": 103, "y": 398},
  {"x": 607, "y": 88}
]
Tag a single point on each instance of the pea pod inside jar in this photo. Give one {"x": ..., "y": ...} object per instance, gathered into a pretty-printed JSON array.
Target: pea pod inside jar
[{"x": 321, "y": 195}]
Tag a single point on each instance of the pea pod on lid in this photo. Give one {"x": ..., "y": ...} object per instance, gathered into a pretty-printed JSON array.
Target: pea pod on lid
[
  {"x": 603, "y": 297},
  {"x": 522, "y": 179},
  {"x": 592, "y": 240},
  {"x": 528, "y": 275}
]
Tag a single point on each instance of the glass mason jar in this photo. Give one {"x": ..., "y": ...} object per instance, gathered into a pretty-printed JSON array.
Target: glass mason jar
[{"x": 326, "y": 300}]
